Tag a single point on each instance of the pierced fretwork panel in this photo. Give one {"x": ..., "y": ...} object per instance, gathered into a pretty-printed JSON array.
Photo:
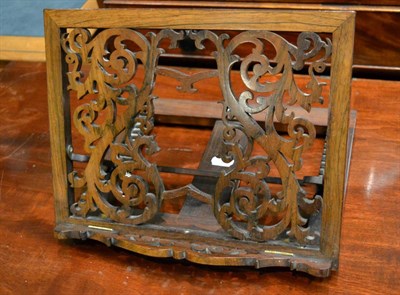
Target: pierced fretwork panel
[{"x": 116, "y": 119}]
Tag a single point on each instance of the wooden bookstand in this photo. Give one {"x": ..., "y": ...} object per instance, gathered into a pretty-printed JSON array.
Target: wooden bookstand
[{"x": 247, "y": 203}]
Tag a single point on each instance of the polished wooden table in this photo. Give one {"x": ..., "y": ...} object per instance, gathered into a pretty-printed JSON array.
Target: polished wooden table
[{"x": 32, "y": 261}]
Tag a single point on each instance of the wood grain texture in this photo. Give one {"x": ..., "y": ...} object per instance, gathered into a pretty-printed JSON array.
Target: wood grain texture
[
  {"x": 252, "y": 19},
  {"x": 335, "y": 174},
  {"x": 374, "y": 43},
  {"x": 57, "y": 110},
  {"x": 34, "y": 262}
]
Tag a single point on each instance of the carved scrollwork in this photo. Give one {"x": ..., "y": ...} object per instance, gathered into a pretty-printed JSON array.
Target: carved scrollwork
[
  {"x": 122, "y": 185},
  {"x": 117, "y": 180},
  {"x": 242, "y": 197}
]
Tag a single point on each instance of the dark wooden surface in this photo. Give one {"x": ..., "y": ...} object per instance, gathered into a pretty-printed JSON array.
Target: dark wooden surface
[
  {"x": 33, "y": 262},
  {"x": 327, "y": 2}
]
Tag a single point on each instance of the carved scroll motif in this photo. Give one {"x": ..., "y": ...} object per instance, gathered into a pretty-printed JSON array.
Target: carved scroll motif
[
  {"x": 124, "y": 194},
  {"x": 130, "y": 190},
  {"x": 242, "y": 196}
]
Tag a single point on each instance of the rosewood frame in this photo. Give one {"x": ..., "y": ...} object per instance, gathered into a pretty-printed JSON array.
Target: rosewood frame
[{"x": 340, "y": 24}]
